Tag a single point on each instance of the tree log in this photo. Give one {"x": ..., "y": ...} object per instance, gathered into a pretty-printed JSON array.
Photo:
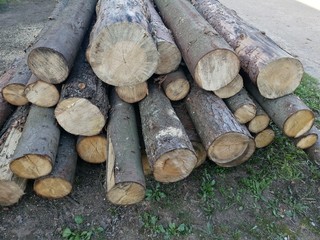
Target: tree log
[
  {"x": 41, "y": 93},
  {"x": 264, "y": 138},
  {"x": 134, "y": 93},
  {"x": 260, "y": 121},
  {"x": 169, "y": 53},
  {"x": 168, "y": 147},
  {"x": 242, "y": 106},
  {"x": 231, "y": 88},
  {"x": 224, "y": 138},
  {"x": 125, "y": 181},
  {"x": 308, "y": 139},
  {"x": 53, "y": 56},
  {"x": 59, "y": 182},
  {"x": 35, "y": 154},
  {"x": 314, "y": 151},
  {"x": 147, "y": 170},
  {"x": 211, "y": 61},
  {"x": 121, "y": 50},
  {"x": 275, "y": 72}
]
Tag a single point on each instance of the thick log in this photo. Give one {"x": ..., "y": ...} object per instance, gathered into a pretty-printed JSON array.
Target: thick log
[
  {"x": 59, "y": 182},
  {"x": 242, "y": 106},
  {"x": 41, "y": 93},
  {"x": 122, "y": 51},
  {"x": 275, "y": 72},
  {"x": 93, "y": 149},
  {"x": 231, "y": 88},
  {"x": 35, "y": 154},
  {"x": 264, "y": 138},
  {"x": 53, "y": 56},
  {"x": 308, "y": 139},
  {"x": 260, "y": 121},
  {"x": 168, "y": 147},
  {"x": 314, "y": 151},
  {"x": 224, "y": 138},
  {"x": 134, "y": 93},
  {"x": 169, "y": 53},
  {"x": 125, "y": 182},
  {"x": 211, "y": 61}
]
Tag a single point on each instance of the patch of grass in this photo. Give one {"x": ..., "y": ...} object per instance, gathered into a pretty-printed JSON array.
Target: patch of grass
[
  {"x": 256, "y": 186},
  {"x": 207, "y": 187},
  {"x": 155, "y": 194}
]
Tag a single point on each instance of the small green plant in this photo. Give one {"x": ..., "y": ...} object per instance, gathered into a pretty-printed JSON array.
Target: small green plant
[
  {"x": 256, "y": 186},
  {"x": 207, "y": 187},
  {"x": 155, "y": 194}
]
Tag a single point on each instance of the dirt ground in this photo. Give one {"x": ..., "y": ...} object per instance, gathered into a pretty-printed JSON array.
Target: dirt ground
[{"x": 239, "y": 206}]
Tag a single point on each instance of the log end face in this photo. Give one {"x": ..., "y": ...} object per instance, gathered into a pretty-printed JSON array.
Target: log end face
[
  {"x": 14, "y": 94},
  {"x": 126, "y": 193},
  {"x": 133, "y": 94},
  {"x": 245, "y": 113},
  {"x": 307, "y": 141},
  {"x": 169, "y": 57},
  {"x": 93, "y": 149},
  {"x": 264, "y": 138},
  {"x": 42, "y": 94},
  {"x": 10, "y": 193},
  {"x": 52, "y": 187},
  {"x": 298, "y": 123},
  {"x": 177, "y": 90},
  {"x": 258, "y": 123},
  {"x": 230, "y": 89}
]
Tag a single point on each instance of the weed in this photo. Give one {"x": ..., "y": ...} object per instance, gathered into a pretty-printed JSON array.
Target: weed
[
  {"x": 256, "y": 186},
  {"x": 207, "y": 187},
  {"x": 155, "y": 194}
]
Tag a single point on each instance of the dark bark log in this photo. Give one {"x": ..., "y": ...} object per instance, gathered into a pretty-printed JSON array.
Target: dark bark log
[
  {"x": 264, "y": 138},
  {"x": 211, "y": 61},
  {"x": 260, "y": 121},
  {"x": 168, "y": 147},
  {"x": 134, "y": 93},
  {"x": 275, "y": 72},
  {"x": 314, "y": 151},
  {"x": 230, "y": 89},
  {"x": 308, "y": 139}
]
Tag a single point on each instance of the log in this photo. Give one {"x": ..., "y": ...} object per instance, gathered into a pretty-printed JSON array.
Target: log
[
  {"x": 169, "y": 53},
  {"x": 125, "y": 182},
  {"x": 264, "y": 138},
  {"x": 231, "y": 88},
  {"x": 169, "y": 150},
  {"x": 308, "y": 139},
  {"x": 41, "y": 93},
  {"x": 242, "y": 106},
  {"x": 260, "y": 121},
  {"x": 274, "y": 71},
  {"x": 59, "y": 182},
  {"x": 211, "y": 61},
  {"x": 175, "y": 85},
  {"x": 313, "y": 152},
  {"x": 134, "y": 93},
  {"x": 53, "y": 56},
  {"x": 36, "y": 152},
  {"x": 224, "y": 138},
  {"x": 93, "y": 149},
  {"x": 145, "y": 163},
  {"x": 121, "y": 44}
]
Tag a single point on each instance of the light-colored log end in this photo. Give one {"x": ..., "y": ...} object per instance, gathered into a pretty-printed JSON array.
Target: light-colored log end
[
  {"x": 177, "y": 90},
  {"x": 126, "y": 193},
  {"x": 307, "y": 141},
  {"x": 298, "y": 123},
  {"x": 93, "y": 149},
  {"x": 14, "y": 94},
  {"x": 259, "y": 123},
  {"x": 10, "y": 193},
  {"x": 264, "y": 138},
  {"x": 231, "y": 88},
  {"x": 245, "y": 113},
  {"x": 134, "y": 93},
  {"x": 170, "y": 57},
  {"x": 52, "y": 187}
]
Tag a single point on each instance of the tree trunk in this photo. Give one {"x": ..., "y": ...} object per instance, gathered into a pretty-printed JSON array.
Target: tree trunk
[
  {"x": 134, "y": 93},
  {"x": 260, "y": 121},
  {"x": 264, "y": 138},
  {"x": 168, "y": 147},
  {"x": 93, "y": 149},
  {"x": 125, "y": 181},
  {"x": 175, "y": 85},
  {"x": 230, "y": 89},
  {"x": 52, "y": 58},
  {"x": 223, "y": 137},
  {"x": 169, "y": 53},
  {"x": 35, "y": 154},
  {"x": 273, "y": 70},
  {"x": 121, "y": 50},
  {"x": 314, "y": 151},
  {"x": 211, "y": 61},
  {"x": 242, "y": 106},
  {"x": 59, "y": 182},
  {"x": 308, "y": 139},
  {"x": 41, "y": 93}
]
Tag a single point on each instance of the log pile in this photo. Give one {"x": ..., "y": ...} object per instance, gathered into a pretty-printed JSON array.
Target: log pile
[{"x": 202, "y": 109}]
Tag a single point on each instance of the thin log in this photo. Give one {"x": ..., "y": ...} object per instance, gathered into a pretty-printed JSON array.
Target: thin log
[
  {"x": 121, "y": 44},
  {"x": 231, "y": 88},
  {"x": 134, "y": 93},
  {"x": 125, "y": 183},
  {"x": 275, "y": 72},
  {"x": 314, "y": 151},
  {"x": 260, "y": 121},
  {"x": 169, "y": 150},
  {"x": 308, "y": 139},
  {"x": 211, "y": 61},
  {"x": 264, "y": 138}
]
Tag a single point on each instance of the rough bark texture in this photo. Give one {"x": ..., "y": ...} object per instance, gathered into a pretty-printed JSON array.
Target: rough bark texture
[
  {"x": 223, "y": 137},
  {"x": 242, "y": 106},
  {"x": 264, "y": 138},
  {"x": 134, "y": 93},
  {"x": 308, "y": 139},
  {"x": 168, "y": 147},
  {"x": 121, "y": 50},
  {"x": 211, "y": 61},
  {"x": 230, "y": 89},
  {"x": 273, "y": 70},
  {"x": 52, "y": 58},
  {"x": 314, "y": 151},
  {"x": 59, "y": 182},
  {"x": 35, "y": 154},
  {"x": 125, "y": 181},
  {"x": 169, "y": 53},
  {"x": 260, "y": 121}
]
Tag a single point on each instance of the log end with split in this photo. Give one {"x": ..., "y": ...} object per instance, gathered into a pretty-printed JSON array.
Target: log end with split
[
  {"x": 92, "y": 149},
  {"x": 126, "y": 193},
  {"x": 14, "y": 94},
  {"x": 11, "y": 192},
  {"x": 298, "y": 123},
  {"x": 52, "y": 187}
]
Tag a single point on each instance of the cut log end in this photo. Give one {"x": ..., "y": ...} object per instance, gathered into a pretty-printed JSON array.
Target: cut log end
[
  {"x": 126, "y": 193},
  {"x": 245, "y": 113},
  {"x": 79, "y": 116},
  {"x": 307, "y": 141},
  {"x": 170, "y": 57},
  {"x": 264, "y": 138},
  {"x": 132, "y": 94},
  {"x": 200, "y": 151},
  {"x": 10, "y": 193},
  {"x": 93, "y": 149},
  {"x": 280, "y": 77},
  {"x": 14, "y": 94},
  {"x": 298, "y": 123},
  {"x": 230, "y": 89},
  {"x": 216, "y": 69},
  {"x": 48, "y": 65},
  {"x": 177, "y": 90},
  {"x": 174, "y": 165},
  {"x": 31, "y": 166},
  {"x": 258, "y": 123},
  {"x": 52, "y": 187},
  {"x": 118, "y": 51}
]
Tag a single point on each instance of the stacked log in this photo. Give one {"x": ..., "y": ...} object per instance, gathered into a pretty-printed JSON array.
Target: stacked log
[
  {"x": 260, "y": 121},
  {"x": 313, "y": 152},
  {"x": 231, "y": 88},
  {"x": 133, "y": 93},
  {"x": 264, "y": 138},
  {"x": 308, "y": 139}
]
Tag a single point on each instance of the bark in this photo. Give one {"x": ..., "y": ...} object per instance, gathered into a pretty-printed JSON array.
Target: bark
[
  {"x": 314, "y": 151},
  {"x": 169, "y": 53},
  {"x": 211, "y": 61},
  {"x": 308, "y": 139},
  {"x": 53, "y": 56},
  {"x": 230, "y": 89},
  {"x": 224, "y": 138},
  {"x": 168, "y": 147},
  {"x": 125, "y": 182},
  {"x": 275, "y": 72},
  {"x": 59, "y": 182},
  {"x": 264, "y": 138},
  {"x": 35, "y": 154},
  {"x": 242, "y": 106},
  {"x": 260, "y": 121},
  {"x": 134, "y": 93},
  {"x": 121, "y": 44}
]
